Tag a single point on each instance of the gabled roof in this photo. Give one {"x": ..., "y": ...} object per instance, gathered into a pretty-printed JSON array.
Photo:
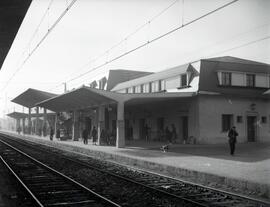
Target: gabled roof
[
  {"x": 230, "y": 59},
  {"x": 31, "y": 97},
  {"x": 17, "y": 115},
  {"x": 80, "y": 98},
  {"x": 118, "y": 76},
  {"x": 209, "y": 76},
  {"x": 153, "y": 77},
  {"x": 20, "y": 115}
]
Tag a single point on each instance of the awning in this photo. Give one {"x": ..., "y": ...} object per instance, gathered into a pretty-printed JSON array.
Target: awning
[
  {"x": 81, "y": 98},
  {"x": 31, "y": 97},
  {"x": 12, "y": 13},
  {"x": 20, "y": 115},
  {"x": 17, "y": 115}
]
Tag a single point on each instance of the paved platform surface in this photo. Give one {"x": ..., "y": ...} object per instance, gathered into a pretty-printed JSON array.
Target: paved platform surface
[{"x": 248, "y": 170}]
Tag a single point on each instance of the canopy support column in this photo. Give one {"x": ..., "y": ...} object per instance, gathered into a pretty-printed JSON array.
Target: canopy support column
[
  {"x": 75, "y": 126},
  {"x": 23, "y": 125},
  {"x": 55, "y": 126},
  {"x": 17, "y": 125},
  {"x": 44, "y": 123},
  {"x": 29, "y": 121},
  {"x": 120, "y": 131},
  {"x": 37, "y": 118},
  {"x": 101, "y": 122}
]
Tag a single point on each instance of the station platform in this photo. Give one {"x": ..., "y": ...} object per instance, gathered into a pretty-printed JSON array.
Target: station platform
[{"x": 247, "y": 172}]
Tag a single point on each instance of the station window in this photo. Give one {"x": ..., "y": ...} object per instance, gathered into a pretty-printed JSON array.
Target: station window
[
  {"x": 161, "y": 84},
  {"x": 172, "y": 82},
  {"x": 250, "y": 80},
  {"x": 227, "y": 122},
  {"x": 126, "y": 90},
  {"x": 137, "y": 89},
  {"x": 130, "y": 90},
  {"x": 146, "y": 88},
  {"x": 142, "y": 88},
  {"x": 155, "y": 86},
  {"x": 239, "y": 119},
  {"x": 183, "y": 79},
  {"x": 264, "y": 119},
  {"x": 226, "y": 78},
  {"x": 133, "y": 89}
]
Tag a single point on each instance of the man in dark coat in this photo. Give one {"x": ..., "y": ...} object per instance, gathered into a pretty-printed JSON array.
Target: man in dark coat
[
  {"x": 232, "y": 139},
  {"x": 94, "y": 135},
  {"x": 51, "y": 133},
  {"x": 85, "y": 136}
]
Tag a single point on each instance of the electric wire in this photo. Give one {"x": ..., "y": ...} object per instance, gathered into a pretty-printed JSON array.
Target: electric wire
[
  {"x": 40, "y": 42},
  {"x": 138, "y": 29},
  {"x": 153, "y": 40}
]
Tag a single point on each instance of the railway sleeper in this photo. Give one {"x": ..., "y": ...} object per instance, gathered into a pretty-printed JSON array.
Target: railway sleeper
[
  {"x": 74, "y": 203},
  {"x": 55, "y": 199}
]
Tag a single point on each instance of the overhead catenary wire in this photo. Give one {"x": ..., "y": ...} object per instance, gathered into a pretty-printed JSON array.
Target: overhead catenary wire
[
  {"x": 125, "y": 39},
  {"x": 50, "y": 29},
  {"x": 39, "y": 25},
  {"x": 152, "y": 40},
  {"x": 28, "y": 45}
]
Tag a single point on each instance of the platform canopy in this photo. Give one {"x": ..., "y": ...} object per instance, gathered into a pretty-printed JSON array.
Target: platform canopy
[
  {"x": 17, "y": 115},
  {"x": 83, "y": 97},
  {"x": 31, "y": 97},
  {"x": 12, "y": 13},
  {"x": 86, "y": 97}
]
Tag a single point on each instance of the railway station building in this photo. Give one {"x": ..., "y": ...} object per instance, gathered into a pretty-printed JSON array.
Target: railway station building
[{"x": 201, "y": 100}]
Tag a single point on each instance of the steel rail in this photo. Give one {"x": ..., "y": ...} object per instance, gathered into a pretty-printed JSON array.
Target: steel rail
[
  {"x": 22, "y": 183},
  {"x": 60, "y": 174},
  {"x": 149, "y": 173},
  {"x": 240, "y": 196}
]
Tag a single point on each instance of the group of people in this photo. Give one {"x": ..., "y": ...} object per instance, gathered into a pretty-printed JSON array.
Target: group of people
[
  {"x": 105, "y": 136},
  {"x": 170, "y": 134},
  {"x": 86, "y": 133}
]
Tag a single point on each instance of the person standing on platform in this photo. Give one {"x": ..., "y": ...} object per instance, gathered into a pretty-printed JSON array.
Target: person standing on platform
[
  {"x": 232, "y": 139},
  {"x": 94, "y": 135},
  {"x": 147, "y": 132},
  {"x": 168, "y": 135},
  {"x": 174, "y": 135},
  {"x": 51, "y": 133},
  {"x": 85, "y": 136}
]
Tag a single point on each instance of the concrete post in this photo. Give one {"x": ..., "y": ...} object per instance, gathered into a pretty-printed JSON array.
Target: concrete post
[
  {"x": 101, "y": 122},
  {"x": 120, "y": 131},
  {"x": 23, "y": 125},
  {"x": 44, "y": 123},
  {"x": 36, "y": 125},
  {"x": 55, "y": 126},
  {"x": 29, "y": 121},
  {"x": 17, "y": 124},
  {"x": 75, "y": 126}
]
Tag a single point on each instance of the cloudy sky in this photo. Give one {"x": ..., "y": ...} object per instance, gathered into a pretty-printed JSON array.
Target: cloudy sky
[{"x": 92, "y": 27}]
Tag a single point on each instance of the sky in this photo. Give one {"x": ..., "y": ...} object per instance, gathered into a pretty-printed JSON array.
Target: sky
[{"x": 91, "y": 27}]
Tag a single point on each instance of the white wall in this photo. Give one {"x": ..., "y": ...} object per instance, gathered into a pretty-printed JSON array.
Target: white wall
[{"x": 211, "y": 109}]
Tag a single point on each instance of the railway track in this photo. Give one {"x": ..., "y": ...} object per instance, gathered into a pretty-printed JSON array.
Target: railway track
[
  {"x": 46, "y": 186},
  {"x": 196, "y": 194}
]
